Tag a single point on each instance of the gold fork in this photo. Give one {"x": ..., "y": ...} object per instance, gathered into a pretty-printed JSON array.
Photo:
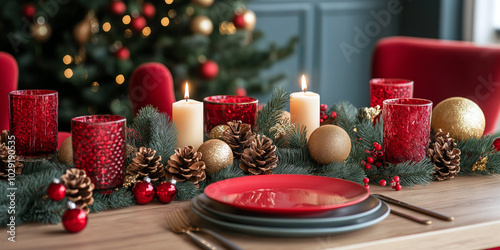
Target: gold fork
[
  {"x": 186, "y": 223},
  {"x": 177, "y": 226}
]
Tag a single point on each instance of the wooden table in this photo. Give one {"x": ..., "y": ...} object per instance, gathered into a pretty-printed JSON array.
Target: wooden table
[{"x": 473, "y": 201}]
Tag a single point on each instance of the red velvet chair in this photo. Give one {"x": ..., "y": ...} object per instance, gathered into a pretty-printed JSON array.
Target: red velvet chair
[
  {"x": 9, "y": 74},
  {"x": 152, "y": 84},
  {"x": 441, "y": 69}
]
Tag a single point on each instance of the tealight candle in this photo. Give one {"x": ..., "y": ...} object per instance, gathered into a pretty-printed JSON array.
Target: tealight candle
[
  {"x": 305, "y": 108},
  {"x": 187, "y": 115}
]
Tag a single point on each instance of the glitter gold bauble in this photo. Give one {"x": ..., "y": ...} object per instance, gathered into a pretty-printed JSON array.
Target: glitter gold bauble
[
  {"x": 460, "y": 117},
  {"x": 216, "y": 132},
  {"x": 216, "y": 154},
  {"x": 202, "y": 25},
  {"x": 66, "y": 152},
  {"x": 203, "y": 3},
  {"x": 329, "y": 143}
]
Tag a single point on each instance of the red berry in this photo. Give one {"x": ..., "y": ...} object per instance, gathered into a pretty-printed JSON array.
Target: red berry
[
  {"x": 366, "y": 180},
  {"x": 367, "y": 187},
  {"x": 323, "y": 107},
  {"x": 393, "y": 183},
  {"x": 321, "y": 121},
  {"x": 368, "y": 166},
  {"x": 148, "y": 10},
  {"x": 398, "y": 187},
  {"x": 333, "y": 115},
  {"x": 377, "y": 146},
  {"x": 383, "y": 183},
  {"x": 378, "y": 164},
  {"x": 396, "y": 178},
  {"x": 380, "y": 154},
  {"x": 496, "y": 144},
  {"x": 373, "y": 154},
  {"x": 369, "y": 160},
  {"x": 367, "y": 151},
  {"x": 324, "y": 117},
  {"x": 56, "y": 191},
  {"x": 117, "y": 7}
]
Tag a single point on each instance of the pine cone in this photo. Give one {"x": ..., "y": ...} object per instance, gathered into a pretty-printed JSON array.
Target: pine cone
[
  {"x": 260, "y": 157},
  {"x": 146, "y": 164},
  {"x": 79, "y": 188},
  {"x": 239, "y": 136},
  {"x": 186, "y": 165},
  {"x": 445, "y": 156},
  {"x": 4, "y": 163}
]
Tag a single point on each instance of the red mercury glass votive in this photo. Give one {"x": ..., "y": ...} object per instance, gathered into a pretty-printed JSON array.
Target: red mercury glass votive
[
  {"x": 33, "y": 122},
  {"x": 99, "y": 149},
  {"x": 221, "y": 109},
  {"x": 389, "y": 88},
  {"x": 407, "y": 127}
]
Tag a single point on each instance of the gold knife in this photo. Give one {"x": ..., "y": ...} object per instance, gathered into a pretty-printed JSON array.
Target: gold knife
[{"x": 414, "y": 208}]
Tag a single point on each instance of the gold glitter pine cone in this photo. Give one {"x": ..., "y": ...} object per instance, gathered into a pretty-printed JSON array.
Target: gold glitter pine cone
[
  {"x": 79, "y": 188},
  {"x": 145, "y": 164},
  {"x": 444, "y": 155},
  {"x": 239, "y": 136},
  {"x": 186, "y": 165},
  {"x": 260, "y": 157},
  {"x": 4, "y": 163}
]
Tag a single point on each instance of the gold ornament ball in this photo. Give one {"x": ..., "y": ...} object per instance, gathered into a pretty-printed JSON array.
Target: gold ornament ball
[
  {"x": 201, "y": 25},
  {"x": 66, "y": 152},
  {"x": 250, "y": 20},
  {"x": 203, "y": 3},
  {"x": 217, "y": 131},
  {"x": 216, "y": 154},
  {"x": 329, "y": 143},
  {"x": 460, "y": 117},
  {"x": 41, "y": 32}
]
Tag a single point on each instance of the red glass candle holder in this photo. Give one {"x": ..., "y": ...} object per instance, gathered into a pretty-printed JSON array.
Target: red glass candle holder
[
  {"x": 33, "y": 122},
  {"x": 220, "y": 109},
  {"x": 407, "y": 127},
  {"x": 389, "y": 88},
  {"x": 99, "y": 149}
]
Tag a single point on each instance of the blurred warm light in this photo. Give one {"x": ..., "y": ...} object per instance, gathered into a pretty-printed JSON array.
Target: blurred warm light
[
  {"x": 169, "y": 1},
  {"x": 165, "y": 21},
  {"x": 172, "y": 13},
  {"x": 68, "y": 73},
  {"x": 106, "y": 26},
  {"x": 94, "y": 87},
  {"x": 127, "y": 33},
  {"x": 126, "y": 19},
  {"x": 146, "y": 32},
  {"x": 304, "y": 83},
  {"x": 67, "y": 59},
  {"x": 120, "y": 79}
]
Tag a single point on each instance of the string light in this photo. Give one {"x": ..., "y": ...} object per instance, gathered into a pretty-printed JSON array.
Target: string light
[
  {"x": 120, "y": 79},
  {"x": 127, "y": 33},
  {"x": 126, "y": 19},
  {"x": 68, "y": 73},
  {"x": 67, "y": 59},
  {"x": 172, "y": 13},
  {"x": 227, "y": 28},
  {"x": 169, "y": 1},
  {"x": 189, "y": 11},
  {"x": 106, "y": 26},
  {"x": 94, "y": 87},
  {"x": 146, "y": 32},
  {"x": 165, "y": 21}
]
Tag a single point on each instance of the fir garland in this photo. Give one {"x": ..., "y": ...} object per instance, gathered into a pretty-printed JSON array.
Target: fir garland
[{"x": 155, "y": 130}]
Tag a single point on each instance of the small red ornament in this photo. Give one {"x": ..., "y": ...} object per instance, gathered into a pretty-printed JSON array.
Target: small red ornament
[
  {"x": 240, "y": 91},
  {"x": 143, "y": 191},
  {"x": 28, "y": 10},
  {"x": 209, "y": 70},
  {"x": 333, "y": 115},
  {"x": 148, "y": 10},
  {"x": 117, "y": 8},
  {"x": 138, "y": 23},
  {"x": 56, "y": 190},
  {"x": 383, "y": 183},
  {"x": 123, "y": 53},
  {"x": 239, "y": 21},
  {"x": 496, "y": 144},
  {"x": 166, "y": 191},
  {"x": 368, "y": 166},
  {"x": 74, "y": 219}
]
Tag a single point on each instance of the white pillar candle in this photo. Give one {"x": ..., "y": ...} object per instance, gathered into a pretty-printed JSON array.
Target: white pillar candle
[
  {"x": 305, "y": 108},
  {"x": 187, "y": 115}
]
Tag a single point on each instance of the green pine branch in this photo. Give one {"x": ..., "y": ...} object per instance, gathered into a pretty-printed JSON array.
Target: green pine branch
[{"x": 271, "y": 112}]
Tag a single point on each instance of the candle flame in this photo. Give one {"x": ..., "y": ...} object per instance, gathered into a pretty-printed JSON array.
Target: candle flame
[
  {"x": 304, "y": 83},
  {"x": 186, "y": 92}
]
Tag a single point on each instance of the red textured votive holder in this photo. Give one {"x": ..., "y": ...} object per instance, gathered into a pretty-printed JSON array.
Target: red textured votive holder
[
  {"x": 33, "y": 121},
  {"x": 99, "y": 149},
  {"x": 389, "y": 88},
  {"x": 407, "y": 127},
  {"x": 221, "y": 109}
]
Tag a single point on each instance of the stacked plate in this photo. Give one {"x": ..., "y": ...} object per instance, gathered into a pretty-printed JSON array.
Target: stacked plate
[{"x": 289, "y": 205}]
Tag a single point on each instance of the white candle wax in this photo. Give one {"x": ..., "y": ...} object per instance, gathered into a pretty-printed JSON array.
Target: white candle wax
[
  {"x": 305, "y": 108},
  {"x": 188, "y": 118}
]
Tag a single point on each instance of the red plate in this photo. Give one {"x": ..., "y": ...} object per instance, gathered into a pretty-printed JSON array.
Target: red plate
[{"x": 286, "y": 193}]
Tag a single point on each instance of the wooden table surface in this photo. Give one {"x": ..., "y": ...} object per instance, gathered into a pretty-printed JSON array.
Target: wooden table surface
[{"x": 473, "y": 201}]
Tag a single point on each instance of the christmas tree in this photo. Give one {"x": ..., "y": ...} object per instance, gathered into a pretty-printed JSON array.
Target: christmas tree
[{"x": 87, "y": 49}]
